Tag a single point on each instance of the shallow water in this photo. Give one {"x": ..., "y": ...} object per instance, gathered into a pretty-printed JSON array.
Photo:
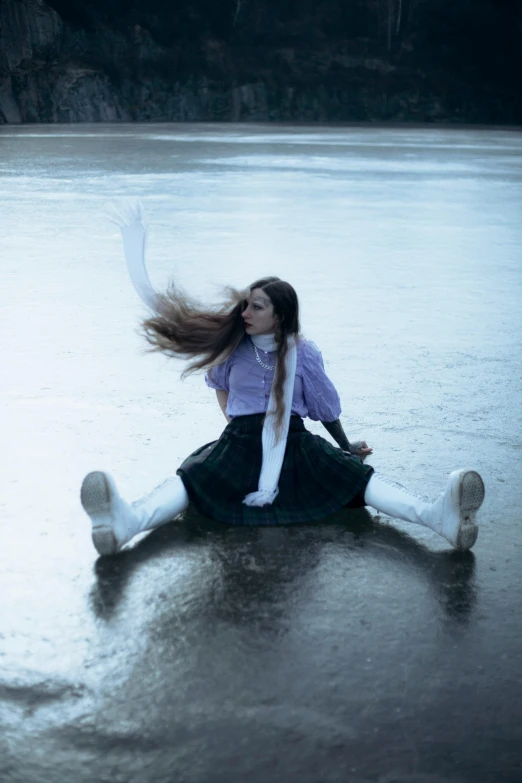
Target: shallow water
[{"x": 405, "y": 247}]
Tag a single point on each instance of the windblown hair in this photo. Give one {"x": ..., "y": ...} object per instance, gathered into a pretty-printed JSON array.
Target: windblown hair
[{"x": 208, "y": 336}]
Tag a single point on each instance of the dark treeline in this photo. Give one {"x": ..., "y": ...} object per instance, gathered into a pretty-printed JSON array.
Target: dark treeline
[{"x": 312, "y": 60}]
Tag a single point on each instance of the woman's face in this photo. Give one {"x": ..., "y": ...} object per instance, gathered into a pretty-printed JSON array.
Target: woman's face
[{"x": 259, "y": 314}]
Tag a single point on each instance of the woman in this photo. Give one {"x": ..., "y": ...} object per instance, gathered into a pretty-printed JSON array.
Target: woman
[{"x": 266, "y": 468}]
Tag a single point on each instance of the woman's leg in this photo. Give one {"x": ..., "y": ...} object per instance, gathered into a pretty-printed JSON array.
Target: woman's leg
[
  {"x": 452, "y": 515},
  {"x": 115, "y": 522}
]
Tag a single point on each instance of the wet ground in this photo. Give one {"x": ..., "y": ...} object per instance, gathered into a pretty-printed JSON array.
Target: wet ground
[{"x": 360, "y": 650}]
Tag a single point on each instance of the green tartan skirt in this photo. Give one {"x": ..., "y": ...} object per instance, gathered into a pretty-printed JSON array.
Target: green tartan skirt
[{"x": 317, "y": 479}]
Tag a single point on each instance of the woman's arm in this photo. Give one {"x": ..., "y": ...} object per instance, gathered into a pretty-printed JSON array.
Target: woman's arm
[
  {"x": 323, "y": 402},
  {"x": 335, "y": 428},
  {"x": 222, "y": 398},
  {"x": 359, "y": 448}
]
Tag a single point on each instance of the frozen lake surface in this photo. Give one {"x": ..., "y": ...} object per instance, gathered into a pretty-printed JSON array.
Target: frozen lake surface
[{"x": 356, "y": 650}]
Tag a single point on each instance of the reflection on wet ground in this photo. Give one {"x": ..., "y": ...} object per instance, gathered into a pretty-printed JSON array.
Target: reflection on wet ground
[
  {"x": 262, "y": 568},
  {"x": 358, "y": 650}
]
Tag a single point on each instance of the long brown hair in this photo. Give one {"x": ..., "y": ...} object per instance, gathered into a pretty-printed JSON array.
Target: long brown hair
[
  {"x": 208, "y": 335},
  {"x": 286, "y": 311}
]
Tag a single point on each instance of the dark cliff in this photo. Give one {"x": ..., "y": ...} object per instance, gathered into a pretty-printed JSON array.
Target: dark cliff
[{"x": 280, "y": 60}]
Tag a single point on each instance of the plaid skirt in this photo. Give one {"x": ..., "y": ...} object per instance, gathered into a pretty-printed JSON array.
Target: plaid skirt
[{"x": 317, "y": 479}]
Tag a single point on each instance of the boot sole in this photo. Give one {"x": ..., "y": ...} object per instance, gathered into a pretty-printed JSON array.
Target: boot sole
[
  {"x": 471, "y": 497},
  {"x": 95, "y": 497}
]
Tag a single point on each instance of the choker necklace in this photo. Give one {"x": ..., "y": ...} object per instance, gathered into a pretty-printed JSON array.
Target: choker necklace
[{"x": 264, "y": 366}]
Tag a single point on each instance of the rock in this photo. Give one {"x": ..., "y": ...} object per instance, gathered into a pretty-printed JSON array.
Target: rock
[
  {"x": 147, "y": 61},
  {"x": 31, "y": 32}
]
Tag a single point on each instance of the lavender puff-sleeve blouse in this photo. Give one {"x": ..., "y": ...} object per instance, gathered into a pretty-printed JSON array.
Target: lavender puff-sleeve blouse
[{"x": 248, "y": 384}]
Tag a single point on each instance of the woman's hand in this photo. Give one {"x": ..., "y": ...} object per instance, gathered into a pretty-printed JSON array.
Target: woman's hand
[{"x": 360, "y": 448}]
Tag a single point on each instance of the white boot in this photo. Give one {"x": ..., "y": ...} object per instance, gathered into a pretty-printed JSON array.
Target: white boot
[
  {"x": 115, "y": 522},
  {"x": 451, "y": 515}
]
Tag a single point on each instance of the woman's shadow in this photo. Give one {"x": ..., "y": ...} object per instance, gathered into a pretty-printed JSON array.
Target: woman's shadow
[
  {"x": 450, "y": 574},
  {"x": 259, "y": 564}
]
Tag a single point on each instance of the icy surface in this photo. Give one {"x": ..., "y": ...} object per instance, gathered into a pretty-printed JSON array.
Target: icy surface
[{"x": 352, "y": 650}]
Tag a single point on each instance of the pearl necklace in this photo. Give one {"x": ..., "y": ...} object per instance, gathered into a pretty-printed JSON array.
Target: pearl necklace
[{"x": 264, "y": 366}]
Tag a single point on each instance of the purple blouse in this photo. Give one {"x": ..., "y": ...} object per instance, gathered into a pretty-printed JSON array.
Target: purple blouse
[{"x": 248, "y": 384}]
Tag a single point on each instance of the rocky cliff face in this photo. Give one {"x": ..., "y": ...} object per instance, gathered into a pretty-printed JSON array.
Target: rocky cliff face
[
  {"x": 40, "y": 78},
  {"x": 257, "y": 60}
]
